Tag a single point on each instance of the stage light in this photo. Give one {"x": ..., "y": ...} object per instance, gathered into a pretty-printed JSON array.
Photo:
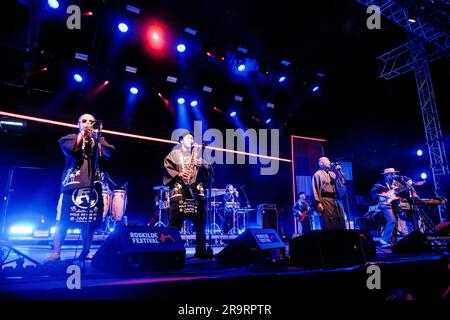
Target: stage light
[
  {"x": 207, "y": 89},
  {"x": 241, "y": 67},
  {"x": 89, "y": 13},
  {"x": 190, "y": 31},
  {"x": 106, "y": 83},
  {"x": 155, "y": 36},
  {"x": 81, "y": 56},
  {"x": 133, "y": 9},
  {"x": 194, "y": 103},
  {"x": 412, "y": 20},
  {"x": 130, "y": 69},
  {"x": 22, "y": 230},
  {"x": 233, "y": 114},
  {"x": 77, "y": 77},
  {"x": 134, "y": 90},
  {"x": 423, "y": 175},
  {"x": 315, "y": 89},
  {"x": 420, "y": 152},
  {"x": 268, "y": 121},
  {"x": 122, "y": 27},
  {"x": 12, "y": 123},
  {"x": 181, "y": 100},
  {"x": 54, "y": 4},
  {"x": 285, "y": 63},
  {"x": 270, "y": 105},
  {"x": 171, "y": 79},
  {"x": 181, "y": 48},
  {"x": 282, "y": 79}
]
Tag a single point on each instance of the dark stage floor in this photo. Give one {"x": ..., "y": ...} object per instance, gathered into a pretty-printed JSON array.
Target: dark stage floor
[{"x": 414, "y": 276}]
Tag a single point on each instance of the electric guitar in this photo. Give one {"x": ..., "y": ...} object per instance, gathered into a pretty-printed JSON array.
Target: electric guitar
[
  {"x": 302, "y": 215},
  {"x": 387, "y": 197}
]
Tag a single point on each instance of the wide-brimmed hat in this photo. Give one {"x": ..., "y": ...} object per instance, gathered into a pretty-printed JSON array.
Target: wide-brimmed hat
[
  {"x": 389, "y": 170},
  {"x": 183, "y": 134}
]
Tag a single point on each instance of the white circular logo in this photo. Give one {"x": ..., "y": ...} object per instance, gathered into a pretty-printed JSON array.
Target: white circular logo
[{"x": 80, "y": 198}]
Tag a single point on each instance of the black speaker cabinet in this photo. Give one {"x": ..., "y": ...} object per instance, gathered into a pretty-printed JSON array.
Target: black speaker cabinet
[
  {"x": 137, "y": 249},
  {"x": 265, "y": 217},
  {"x": 415, "y": 242},
  {"x": 329, "y": 249},
  {"x": 253, "y": 245}
]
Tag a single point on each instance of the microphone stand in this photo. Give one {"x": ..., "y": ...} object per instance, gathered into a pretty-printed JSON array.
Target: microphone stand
[
  {"x": 210, "y": 170},
  {"x": 340, "y": 175},
  {"x": 91, "y": 189}
]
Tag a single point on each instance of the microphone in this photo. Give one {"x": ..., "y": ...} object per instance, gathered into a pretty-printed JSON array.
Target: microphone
[{"x": 97, "y": 124}]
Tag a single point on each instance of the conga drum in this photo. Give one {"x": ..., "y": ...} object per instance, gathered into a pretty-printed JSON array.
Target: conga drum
[
  {"x": 119, "y": 204},
  {"x": 106, "y": 202}
]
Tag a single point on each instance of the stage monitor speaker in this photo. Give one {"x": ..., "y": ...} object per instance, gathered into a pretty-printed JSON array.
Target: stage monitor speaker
[
  {"x": 331, "y": 248},
  {"x": 253, "y": 245},
  {"x": 415, "y": 242},
  {"x": 130, "y": 249}
]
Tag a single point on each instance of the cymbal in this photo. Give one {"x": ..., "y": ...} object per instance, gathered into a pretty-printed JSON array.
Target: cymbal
[{"x": 164, "y": 188}]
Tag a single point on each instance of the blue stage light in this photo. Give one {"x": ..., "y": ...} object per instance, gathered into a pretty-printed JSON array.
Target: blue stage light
[
  {"x": 22, "y": 230},
  {"x": 315, "y": 89},
  {"x": 122, "y": 27},
  {"x": 77, "y": 77},
  {"x": 54, "y": 4},
  {"x": 181, "y": 101},
  {"x": 233, "y": 114},
  {"x": 282, "y": 79},
  {"x": 241, "y": 67},
  {"x": 420, "y": 152},
  {"x": 194, "y": 103},
  {"x": 423, "y": 175},
  {"x": 181, "y": 48},
  {"x": 134, "y": 90},
  {"x": 268, "y": 121}
]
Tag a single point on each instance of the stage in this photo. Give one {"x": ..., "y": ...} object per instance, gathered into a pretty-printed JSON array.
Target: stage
[{"x": 421, "y": 277}]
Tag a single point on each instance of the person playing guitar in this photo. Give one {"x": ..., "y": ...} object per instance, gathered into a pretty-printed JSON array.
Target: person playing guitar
[
  {"x": 301, "y": 211},
  {"x": 388, "y": 193}
]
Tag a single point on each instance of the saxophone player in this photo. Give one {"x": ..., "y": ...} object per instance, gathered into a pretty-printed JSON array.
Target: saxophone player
[{"x": 184, "y": 173}]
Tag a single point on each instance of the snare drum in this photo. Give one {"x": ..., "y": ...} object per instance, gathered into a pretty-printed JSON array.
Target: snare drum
[
  {"x": 106, "y": 202},
  {"x": 119, "y": 204}
]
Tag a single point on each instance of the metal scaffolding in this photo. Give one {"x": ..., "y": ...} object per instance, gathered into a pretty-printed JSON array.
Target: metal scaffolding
[{"x": 413, "y": 56}]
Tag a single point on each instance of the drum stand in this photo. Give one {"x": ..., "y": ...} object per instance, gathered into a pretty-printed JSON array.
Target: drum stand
[
  {"x": 160, "y": 209},
  {"x": 214, "y": 228},
  {"x": 234, "y": 230}
]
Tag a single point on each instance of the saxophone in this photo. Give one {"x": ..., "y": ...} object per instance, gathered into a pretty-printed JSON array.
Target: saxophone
[{"x": 192, "y": 169}]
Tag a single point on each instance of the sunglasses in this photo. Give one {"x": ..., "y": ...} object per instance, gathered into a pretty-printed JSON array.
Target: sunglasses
[{"x": 86, "y": 120}]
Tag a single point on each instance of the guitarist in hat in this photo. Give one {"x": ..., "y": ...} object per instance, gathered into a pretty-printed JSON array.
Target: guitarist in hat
[{"x": 388, "y": 192}]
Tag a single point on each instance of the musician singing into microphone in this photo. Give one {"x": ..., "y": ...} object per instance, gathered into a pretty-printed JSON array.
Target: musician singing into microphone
[
  {"x": 387, "y": 193},
  {"x": 80, "y": 152},
  {"x": 328, "y": 185},
  {"x": 185, "y": 171}
]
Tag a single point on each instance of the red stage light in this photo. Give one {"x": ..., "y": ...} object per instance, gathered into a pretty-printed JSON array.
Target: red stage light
[
  {"x": 106, "y": 83},
  {"x": 157, "y": 38},
  {"x": 44, "y": 69},
  {"x": 89, "y": 14}
]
